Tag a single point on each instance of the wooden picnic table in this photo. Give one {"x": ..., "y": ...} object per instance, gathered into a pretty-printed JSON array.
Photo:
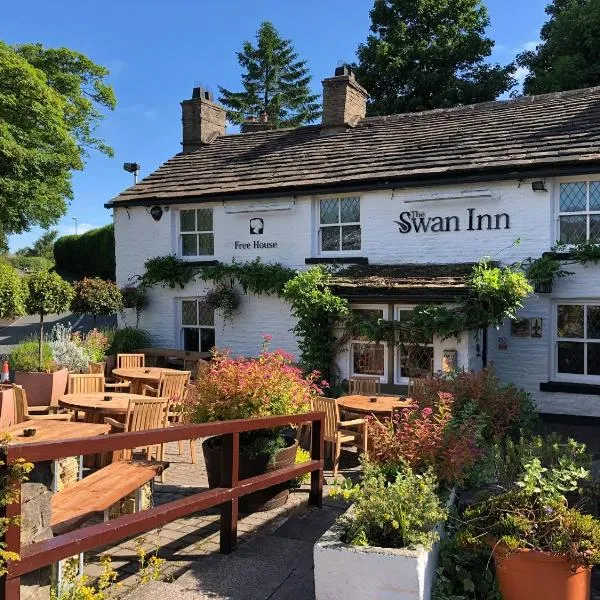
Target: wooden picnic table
[
  {"x": 383, "y": 406},
  {"x": 140, "y": 376},
  {"x": 50, "y": 431}
]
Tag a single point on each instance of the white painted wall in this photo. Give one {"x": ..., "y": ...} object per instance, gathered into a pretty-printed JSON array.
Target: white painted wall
[{"x": 526, "y": 361}]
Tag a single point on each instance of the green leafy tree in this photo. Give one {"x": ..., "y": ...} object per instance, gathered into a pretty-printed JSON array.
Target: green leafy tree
[
  {"x": 50, "y": 106},
  {"x": 48, "y": 293},
  {"x": 275, "y": 82},
  {"x": 425, "y": 54},
  {"x": 43, "y": 246},
  {"x": 12, "y": 292},
  {"x": 95, "y": 296},
  {"x": 568, "y": 56}
]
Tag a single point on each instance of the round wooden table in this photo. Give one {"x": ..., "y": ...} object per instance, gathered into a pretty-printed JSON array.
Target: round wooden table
[
  {"x": 384, "y": 406},
  {"x": 95, "y": 407},
  {"x": 140, "y": 376}
]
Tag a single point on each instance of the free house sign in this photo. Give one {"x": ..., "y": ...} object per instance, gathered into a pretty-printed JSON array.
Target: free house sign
[{"x": 257, "y": 227}]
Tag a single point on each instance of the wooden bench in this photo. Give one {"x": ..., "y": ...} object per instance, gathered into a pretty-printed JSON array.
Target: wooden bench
[{"x": 99, "y": 491}]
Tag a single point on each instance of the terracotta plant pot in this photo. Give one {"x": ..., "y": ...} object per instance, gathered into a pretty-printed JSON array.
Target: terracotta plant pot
[
  {"x": 263, "y": 500},
  {"x": 531, "y": 575},
  {"x": 43, "y": 389},
  {"x": 7, "y": 406}
]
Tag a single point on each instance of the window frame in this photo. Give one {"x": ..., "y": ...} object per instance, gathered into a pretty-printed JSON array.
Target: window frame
[
  {"x": 572, "y": 377},
  {"x": 382, "y": 378},
  {"x": 182, "y": 327},
  {"x": 196, "y": 232},
  {"x": 587, "y": 180},
  {"x": 398, "y": 379},
  {"x": 339, "y": 224}
]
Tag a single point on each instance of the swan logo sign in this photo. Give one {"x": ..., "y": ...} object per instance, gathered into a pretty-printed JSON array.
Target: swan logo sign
[
  {"x": 257, "y": 226},
  {"x": 419, "y": 222}
]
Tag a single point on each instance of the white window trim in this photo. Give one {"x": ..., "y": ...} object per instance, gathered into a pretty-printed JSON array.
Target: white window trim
[
  {"x": 568, "y": 377},
  {"x": 317, "y": 227},
  {"x": 382, "y": 378},
  {"x": 179, "y": 233},
  {"x": 398, "y": 380},
  {"x": 556, "y": 204},
  {"x": 180, "y": 326}
]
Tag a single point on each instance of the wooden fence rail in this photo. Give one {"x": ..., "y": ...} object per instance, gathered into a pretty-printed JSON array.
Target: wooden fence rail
[{"x": 41, "y": 554}]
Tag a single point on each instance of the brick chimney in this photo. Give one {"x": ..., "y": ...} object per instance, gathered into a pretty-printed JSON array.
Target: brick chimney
[
  {"x": 203, "y": 120},
  {"x": 344, "y": 101}
]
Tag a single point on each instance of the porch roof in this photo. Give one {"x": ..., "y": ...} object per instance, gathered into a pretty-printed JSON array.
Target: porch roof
[{"x": 415, "y": 282}]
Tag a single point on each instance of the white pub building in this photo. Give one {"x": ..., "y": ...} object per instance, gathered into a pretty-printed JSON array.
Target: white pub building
[{"x": 406, "y": 204}]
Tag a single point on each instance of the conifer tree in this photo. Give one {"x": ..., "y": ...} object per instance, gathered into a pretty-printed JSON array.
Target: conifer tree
[
  {"x": 275, "y": 82},
  {"x": 425, "y": 54}
]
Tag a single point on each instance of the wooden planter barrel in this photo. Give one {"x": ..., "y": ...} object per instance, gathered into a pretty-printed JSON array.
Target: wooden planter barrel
[{"x": 263, "y": 500}]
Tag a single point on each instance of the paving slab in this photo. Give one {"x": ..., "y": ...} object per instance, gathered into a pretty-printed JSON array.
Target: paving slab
[{"x": 157, "y": 590}]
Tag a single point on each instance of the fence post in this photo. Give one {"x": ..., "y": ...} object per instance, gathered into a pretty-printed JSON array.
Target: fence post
[
  {"x": 317, "y": 450},
  {"x": 10, "y": 589},
  {"x": 230, "y": 460}
]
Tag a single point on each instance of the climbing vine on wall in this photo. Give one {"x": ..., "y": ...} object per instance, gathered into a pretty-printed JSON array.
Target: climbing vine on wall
[{"x": 10, "y": 479}]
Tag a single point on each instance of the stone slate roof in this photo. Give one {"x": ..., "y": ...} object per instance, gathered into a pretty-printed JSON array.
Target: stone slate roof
[
  {"x": 504, "y": 138},
  {"x": 425, "y": 281}
]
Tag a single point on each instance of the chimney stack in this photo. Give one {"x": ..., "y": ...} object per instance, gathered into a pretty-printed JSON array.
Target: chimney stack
[
  {"x": 252, "y": 124},
  {"x": 203, "y": 120},
  {"x": 344, "y": 101}
]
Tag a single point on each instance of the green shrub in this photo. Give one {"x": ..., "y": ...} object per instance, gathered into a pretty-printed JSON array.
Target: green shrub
[
  {"x": 401, "y": 513},
  {"x": 91, "y": 254},
  {"x": 127, "y": 339},
  {"x": 12, "y": 292},
  {"x": 31, "y": 264},
  {"x": 25, "y": 357},
  {"x": 95, "y": 296}
]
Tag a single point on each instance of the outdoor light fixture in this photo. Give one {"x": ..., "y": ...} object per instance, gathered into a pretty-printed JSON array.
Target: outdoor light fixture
[
  {"x": 538, "y": 186},
  {"x": 156, "y": 212},
  {"x": 132, "y": 168}
]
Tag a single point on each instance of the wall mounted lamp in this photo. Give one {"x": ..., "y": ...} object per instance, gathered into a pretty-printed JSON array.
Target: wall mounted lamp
[{"x": 538, "y": 186}]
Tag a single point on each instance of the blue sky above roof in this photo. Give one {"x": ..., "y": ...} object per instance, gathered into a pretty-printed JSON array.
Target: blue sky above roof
[{"x": 158, "y": 51}]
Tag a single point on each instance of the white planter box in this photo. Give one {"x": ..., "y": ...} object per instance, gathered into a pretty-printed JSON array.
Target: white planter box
[{"x": 344, "y": 572}]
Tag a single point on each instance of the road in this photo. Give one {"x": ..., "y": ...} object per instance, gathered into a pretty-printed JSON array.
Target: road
[{"x": 28, "y": 327}]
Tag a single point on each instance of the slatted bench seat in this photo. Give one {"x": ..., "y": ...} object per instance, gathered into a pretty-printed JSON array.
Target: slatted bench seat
[{"x": 99, "y": 491}]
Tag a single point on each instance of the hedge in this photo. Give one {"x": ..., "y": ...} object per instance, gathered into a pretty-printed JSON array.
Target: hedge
[
  {"x": 91, "y": 254},
  {"x": 31, "y": 264}
]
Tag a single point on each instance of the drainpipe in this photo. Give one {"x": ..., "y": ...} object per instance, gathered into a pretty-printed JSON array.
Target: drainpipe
[{"x": 484, "y": 347}]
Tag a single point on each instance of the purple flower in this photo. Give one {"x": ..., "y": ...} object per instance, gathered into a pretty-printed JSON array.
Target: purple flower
[{"x": 548, "y": 510}]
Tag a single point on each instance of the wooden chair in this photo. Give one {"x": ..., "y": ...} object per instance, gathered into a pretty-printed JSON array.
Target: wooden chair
[
  {"x": 23, "y": 412},
  {"x": 143, "y": 414},
  {"x": 179, "y": 415},
  {"x": 365, "y": 386},
  {"x": 170, "y": 385},
  {"x": 335, "y": 433},
  {"x": 417, "y": 380},
  {"x": 196, "y": 367},
  {"x": 130, "y": 361},
  {"x": 87, "y": 383}
]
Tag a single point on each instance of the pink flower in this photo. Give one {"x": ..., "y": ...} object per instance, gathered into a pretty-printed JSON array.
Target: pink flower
[
  {"x": 267, "y": 337},
  {"x": 426, "y": 411}
]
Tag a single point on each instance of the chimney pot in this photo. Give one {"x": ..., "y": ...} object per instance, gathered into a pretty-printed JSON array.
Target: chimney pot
[
  {"x": 203, "y": 120},
  {"x": 344, "y": 101},
  {"x": 263, "y": 118}
]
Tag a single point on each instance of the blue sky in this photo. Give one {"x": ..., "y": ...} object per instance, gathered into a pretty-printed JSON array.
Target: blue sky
[{"x": 158, "y": 51}]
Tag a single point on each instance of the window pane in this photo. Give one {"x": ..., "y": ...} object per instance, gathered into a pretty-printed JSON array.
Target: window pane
[
  {"x": 351, "y": 237},
  {"x": 369, "y": 313},
  {"x": 205, "y": 219},
  {"x": 368, "y": 359},
  {"x": 206, "y": 244},
  {"x": 572, "y": 197},
  {"x": 189, "y": 314},
  {"x": 187, "y": 220},
  {"x": 594, "y": 195},
  {"x": 570, "y": 321},
  {"x": 189, "y": 244},
  {"x": 419, "y": 360},
  {"x": 573, "y": 229},
  {"x": 593, "y": 359},
  {"x": 570, "y": 357},
  {"x": 329, "y": 211},
  {"x": 207, "y": 339},
  {"x": 595, "y": 229},
  {"x": 206, "y": 315},
  {"x": 593, "y": 322},
  {"x": 330, "y": 238},
  {"x": 350, "y": 210},
  {"x": 191, "y": 339}
]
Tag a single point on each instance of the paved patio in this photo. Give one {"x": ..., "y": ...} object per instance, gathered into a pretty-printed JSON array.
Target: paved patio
[{"x": 190, "y": 546}]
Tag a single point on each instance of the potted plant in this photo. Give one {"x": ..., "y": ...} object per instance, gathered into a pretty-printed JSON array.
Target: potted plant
[
  {"x": 241, "y": 388},
  {"x": 541, "y": 547},
  {"x": 386, "y": 544},
  {"x": 542, "y": 271},
  {"x": 95, "y": 296},
  {"x": 48, "y": 294}
]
